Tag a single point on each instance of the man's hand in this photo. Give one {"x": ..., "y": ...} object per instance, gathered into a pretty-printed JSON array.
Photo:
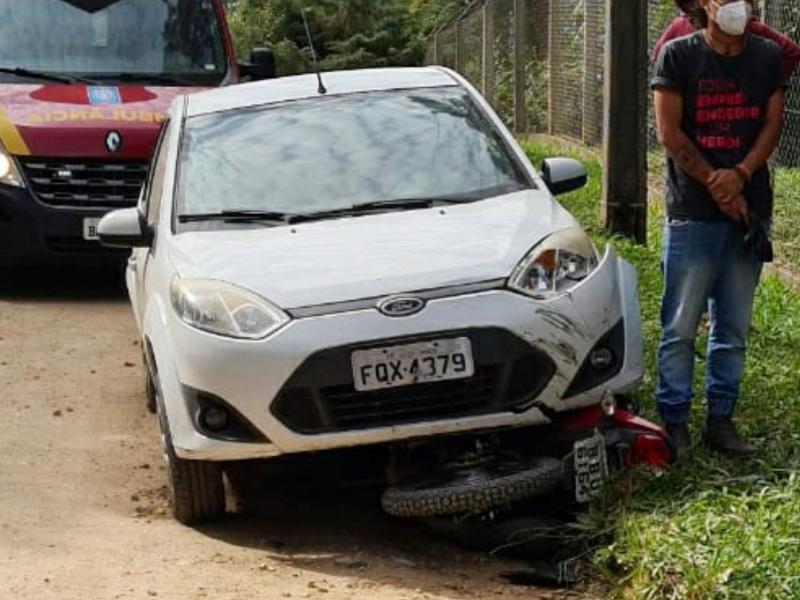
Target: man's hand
[
  {"x": 735, "y": 209},
  {"x": 724, "y": 185}
]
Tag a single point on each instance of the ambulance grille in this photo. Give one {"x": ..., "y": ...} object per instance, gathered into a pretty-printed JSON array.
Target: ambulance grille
[{"x": 71, "y": 183}]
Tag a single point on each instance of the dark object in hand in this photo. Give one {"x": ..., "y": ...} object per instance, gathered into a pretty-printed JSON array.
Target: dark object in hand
[{"x": 756, "y": 239}]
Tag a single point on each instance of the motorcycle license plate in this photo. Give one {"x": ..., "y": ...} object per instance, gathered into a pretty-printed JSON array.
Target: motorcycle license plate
[{"x": 591, "y": 467}]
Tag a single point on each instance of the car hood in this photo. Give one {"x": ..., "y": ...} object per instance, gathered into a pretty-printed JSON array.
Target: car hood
[
  {"x": 59, "y": 120},
  {"x": 373, "y": 256}
]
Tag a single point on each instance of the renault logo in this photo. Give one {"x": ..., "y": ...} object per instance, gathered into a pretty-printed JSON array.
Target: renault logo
[
  {"x": 401, "y": 306},
  {"x": 113, "y": 141}
]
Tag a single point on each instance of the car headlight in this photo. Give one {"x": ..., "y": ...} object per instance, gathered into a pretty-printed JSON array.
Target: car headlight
[
  {"x": 225, "y": 309},
  {"x": 555, "y": 265},
  {"x": 9, "y": 174}
]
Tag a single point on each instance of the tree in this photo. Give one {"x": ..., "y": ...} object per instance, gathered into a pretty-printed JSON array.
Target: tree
[
  {"x": 347, "y": 33},
  {"x": 428, "y": 14}
]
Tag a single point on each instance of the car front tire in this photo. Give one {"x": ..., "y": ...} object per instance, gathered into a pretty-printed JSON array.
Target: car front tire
[{"x": 196, "y": 487}]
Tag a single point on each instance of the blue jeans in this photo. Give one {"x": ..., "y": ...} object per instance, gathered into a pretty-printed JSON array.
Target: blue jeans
[{"x": 706, "y": 266}]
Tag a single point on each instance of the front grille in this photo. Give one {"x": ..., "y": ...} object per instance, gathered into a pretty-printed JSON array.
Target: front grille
[
  {"x": 353, "y": 410},
  {"x": 75, "y": 183},
  {"x": 320, "y": 397}
]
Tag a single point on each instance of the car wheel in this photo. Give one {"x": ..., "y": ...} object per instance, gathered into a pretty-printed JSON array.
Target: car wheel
[
  {"x": 196, "y": 488},
  {"x": 474, "y": 491}
]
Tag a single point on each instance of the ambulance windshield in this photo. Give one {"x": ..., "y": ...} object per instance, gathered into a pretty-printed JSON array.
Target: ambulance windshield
[{"x": 161, "y": 42}]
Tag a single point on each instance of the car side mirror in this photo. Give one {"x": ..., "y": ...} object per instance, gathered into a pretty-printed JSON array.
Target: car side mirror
[
  {"x": 261, "y": 65},
  {"x": 562, "y": 175},
  {"x": 124, "y": 229}
]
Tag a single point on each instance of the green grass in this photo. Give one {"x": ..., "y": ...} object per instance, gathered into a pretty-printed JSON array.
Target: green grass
[
  {"x": 787, "y": 211},
  {"x": 708, "y": 527}
]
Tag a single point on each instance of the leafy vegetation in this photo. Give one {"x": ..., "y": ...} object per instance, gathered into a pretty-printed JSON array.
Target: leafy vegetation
[
  {"x": 709, "y": 527},
  {"x": 347, "y": 33}
]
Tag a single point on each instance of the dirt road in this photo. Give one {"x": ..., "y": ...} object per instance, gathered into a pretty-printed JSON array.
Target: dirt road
[{"x": 82, "y": 501}]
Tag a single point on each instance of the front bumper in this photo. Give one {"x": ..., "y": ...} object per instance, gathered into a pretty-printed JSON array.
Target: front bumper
[
  {"x": 33, "y": 234},
  {"x": 252, "y": 377}
]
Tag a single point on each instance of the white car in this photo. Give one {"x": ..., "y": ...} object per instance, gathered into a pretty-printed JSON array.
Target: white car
[{"x": 372, "y": 265}]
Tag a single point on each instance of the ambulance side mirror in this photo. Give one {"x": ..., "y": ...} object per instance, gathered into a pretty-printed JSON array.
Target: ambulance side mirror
[{"x": 260, "y": 66}]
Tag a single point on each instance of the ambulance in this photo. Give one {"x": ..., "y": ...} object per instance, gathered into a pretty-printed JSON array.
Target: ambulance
[{"x": 84, "y": 86}]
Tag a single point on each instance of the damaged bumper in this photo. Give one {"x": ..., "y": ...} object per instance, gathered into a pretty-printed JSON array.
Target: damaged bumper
[{"x": 265, "y": 382}]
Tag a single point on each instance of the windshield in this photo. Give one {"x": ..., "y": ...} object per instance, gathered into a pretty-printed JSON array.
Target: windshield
[
  {"x": 338, "y": 152},
  {"x": 103, "y": 39}
]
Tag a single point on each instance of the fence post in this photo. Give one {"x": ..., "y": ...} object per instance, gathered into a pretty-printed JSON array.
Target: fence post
[
  {"x": 762, "y": 9},
  {"x": 459, "y": 46},
  {"x": 624, "y": 202},
  {"x": 487, "y": 56},
  {"x": 436, "y": 57},
  {"x": 585, "y": 113},
  {"x": 552, "y": 55},
  {"x": 520, "y": 62},
  {"x": 593, "y": 45}
]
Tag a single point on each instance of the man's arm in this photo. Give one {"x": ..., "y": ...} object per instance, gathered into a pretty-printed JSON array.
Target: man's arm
[
  {"x": 669, "y": 113},
  {"x": 768, "y": 138}
]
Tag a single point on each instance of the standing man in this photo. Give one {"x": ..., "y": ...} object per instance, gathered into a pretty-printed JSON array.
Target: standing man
[{"x": 719, "y": 110}]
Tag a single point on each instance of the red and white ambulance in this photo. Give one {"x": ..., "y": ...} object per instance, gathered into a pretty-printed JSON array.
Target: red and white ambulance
[{"x": 84, "y": 85}]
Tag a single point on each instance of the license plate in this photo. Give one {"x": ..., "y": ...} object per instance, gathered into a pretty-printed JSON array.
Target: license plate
[
  {"x": 425, "y": 362},
  {"x": 90, "y": 229},
  {"x": 591, "y": 467}
]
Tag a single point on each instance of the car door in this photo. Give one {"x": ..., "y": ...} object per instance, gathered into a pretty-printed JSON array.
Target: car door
[{"x": 149, "y": 207}]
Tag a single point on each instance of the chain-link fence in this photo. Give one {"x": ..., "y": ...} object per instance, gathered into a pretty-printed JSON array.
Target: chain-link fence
[
  {"x": 540, "y": 62},
  {"x": 784, "y": 15}
]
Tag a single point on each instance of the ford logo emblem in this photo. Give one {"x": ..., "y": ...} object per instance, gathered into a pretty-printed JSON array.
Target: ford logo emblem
[{"x": 401, "y": 306}]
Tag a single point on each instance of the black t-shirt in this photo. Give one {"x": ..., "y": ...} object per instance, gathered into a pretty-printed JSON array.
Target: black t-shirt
[{"x": 725, "y": 106}]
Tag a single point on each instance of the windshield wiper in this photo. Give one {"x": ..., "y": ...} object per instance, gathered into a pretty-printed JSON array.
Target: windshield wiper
[
  {"x": 68, "y": 79},
  {"x": 239, "y": 216},
  {"x": 397, "y": 204},
  {"x": 152, "y": 78},
  {"x": 366, "y": 208}
]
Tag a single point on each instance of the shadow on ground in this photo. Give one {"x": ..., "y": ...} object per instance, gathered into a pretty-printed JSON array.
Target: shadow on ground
[
  {"x": 304, "y": 520},
  {"x": 343, "y": 532},
  {"x": 64, "y": 283}
]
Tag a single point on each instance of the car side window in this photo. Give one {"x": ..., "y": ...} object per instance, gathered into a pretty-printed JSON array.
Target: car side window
[{"x": 155, "y": 186}]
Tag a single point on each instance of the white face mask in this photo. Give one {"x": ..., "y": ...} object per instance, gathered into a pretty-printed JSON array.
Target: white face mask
[{"x": 732, "y": 17}]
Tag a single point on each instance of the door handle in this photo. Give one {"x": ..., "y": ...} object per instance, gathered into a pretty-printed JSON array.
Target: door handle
[{"x": 133, "y": 265}]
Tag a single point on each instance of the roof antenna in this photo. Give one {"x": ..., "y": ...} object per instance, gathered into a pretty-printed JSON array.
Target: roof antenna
[{"x": 322, "y": 89}]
